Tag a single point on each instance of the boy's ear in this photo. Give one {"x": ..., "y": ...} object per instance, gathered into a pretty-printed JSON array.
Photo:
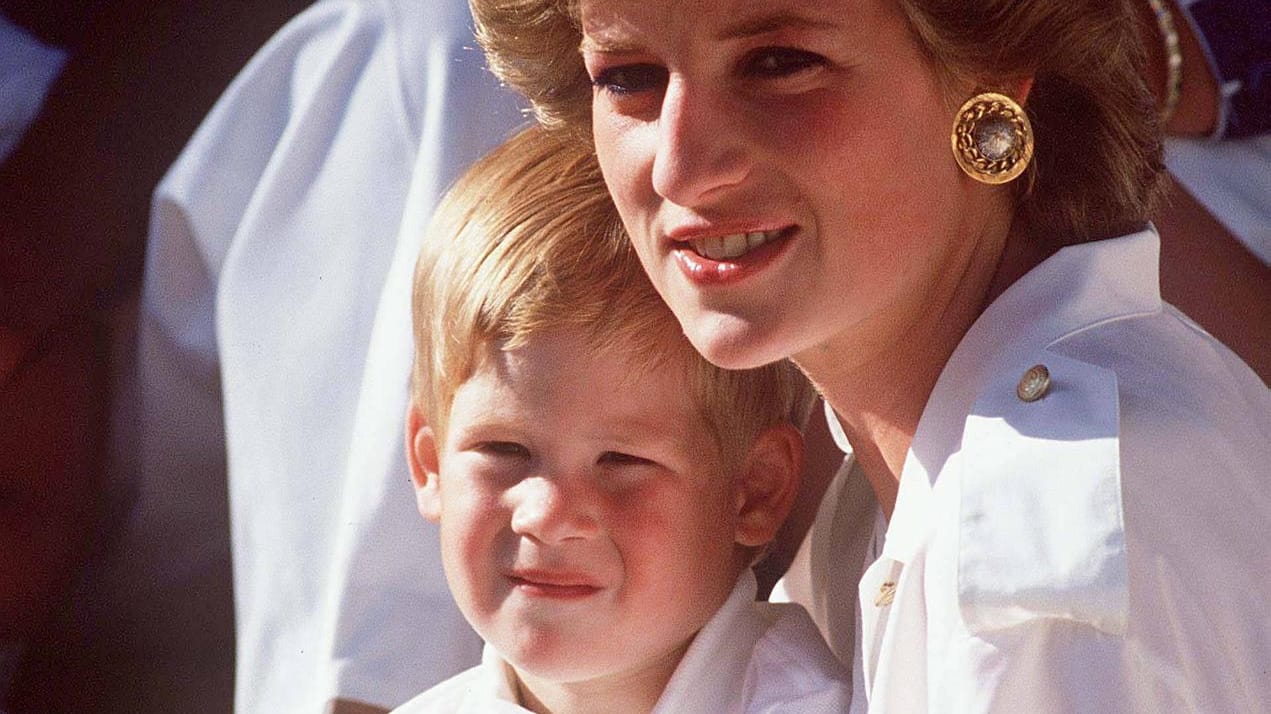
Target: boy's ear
[
  {"x": 769, "y": 482},
  {"x": 421, "y": 453}
]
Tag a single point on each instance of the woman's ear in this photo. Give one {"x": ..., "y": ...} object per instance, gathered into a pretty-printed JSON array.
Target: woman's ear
[
  {"x": 421, "y": 453},
  {"x": 768, "y": 484}
]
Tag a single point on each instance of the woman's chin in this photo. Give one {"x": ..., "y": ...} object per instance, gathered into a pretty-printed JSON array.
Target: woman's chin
[{"x": 729, "y": 342}]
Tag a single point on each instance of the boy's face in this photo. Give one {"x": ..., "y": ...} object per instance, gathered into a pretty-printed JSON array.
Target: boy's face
[{"x": 589, "y": 526}]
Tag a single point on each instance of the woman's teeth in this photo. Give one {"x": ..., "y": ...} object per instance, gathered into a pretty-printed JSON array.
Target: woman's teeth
[{"x": 732, "y": 246}]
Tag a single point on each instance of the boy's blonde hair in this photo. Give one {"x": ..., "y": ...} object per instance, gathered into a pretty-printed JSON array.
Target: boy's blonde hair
[{"x": 528, "y": 241}]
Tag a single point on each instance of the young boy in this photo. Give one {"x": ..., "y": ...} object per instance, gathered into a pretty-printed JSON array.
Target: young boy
[{"x": 601, "y": 489}]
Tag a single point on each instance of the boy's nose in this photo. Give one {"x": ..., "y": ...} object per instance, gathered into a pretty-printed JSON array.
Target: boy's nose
[{"x": 553, "y": 510}]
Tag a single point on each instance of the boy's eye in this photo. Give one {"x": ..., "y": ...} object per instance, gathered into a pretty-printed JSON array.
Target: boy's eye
[
  {"x": 631, "y": 78},
  {"x": 777, "y": 62},
  {"x": 618, "y": 458},
  {"x": 505, "y": 449}
]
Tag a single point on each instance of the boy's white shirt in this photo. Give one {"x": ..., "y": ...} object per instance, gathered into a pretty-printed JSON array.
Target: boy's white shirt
[{"x": 750, "y": 657}]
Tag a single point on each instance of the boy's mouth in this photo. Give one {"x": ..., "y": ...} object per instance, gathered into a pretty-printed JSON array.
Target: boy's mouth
[{"x": 553, "y": 584}]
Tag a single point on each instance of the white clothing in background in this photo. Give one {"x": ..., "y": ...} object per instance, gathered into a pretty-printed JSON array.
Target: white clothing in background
[
  {"x": 1100, "y": 549},
  {"x": 1231, "y": 178},
  {"x": 750, "y": 657},
  {"x": 281, "y": 251},
  {"x": 28, "y": 69}
]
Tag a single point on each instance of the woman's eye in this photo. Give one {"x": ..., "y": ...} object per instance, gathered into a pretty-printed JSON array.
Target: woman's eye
[
  {"x": 618, "y": 458},
  {"x": 631, "y": 78},
  {"x": 505, "y": 449},
  {"x": 776, "y": 62}
]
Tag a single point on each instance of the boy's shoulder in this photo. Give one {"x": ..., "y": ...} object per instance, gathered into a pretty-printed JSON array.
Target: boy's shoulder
[
  {"x": 791, "y": 667},
  {"x": 473, "y": 691},
  {"x": 758, "y": 657}
]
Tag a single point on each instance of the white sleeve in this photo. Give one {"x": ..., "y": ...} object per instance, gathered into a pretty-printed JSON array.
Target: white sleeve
[
  {"x": 1232, "y": 178},
  {"x": 281, "y": 251}
]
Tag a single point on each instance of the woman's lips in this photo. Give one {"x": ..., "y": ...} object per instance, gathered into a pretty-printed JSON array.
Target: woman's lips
[{"x": 718, "y": 260}]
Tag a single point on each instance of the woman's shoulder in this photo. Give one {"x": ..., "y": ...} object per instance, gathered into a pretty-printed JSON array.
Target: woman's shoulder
[
  {"x": 1194, "y": 442},
  {"x": 1191, "y": 421},
  {"x": 791, "y": 668},
  {"x": 1193, "y": 457},
  {"x": 1133, "y": 449},
  {"x": 1184, "y": 401}
]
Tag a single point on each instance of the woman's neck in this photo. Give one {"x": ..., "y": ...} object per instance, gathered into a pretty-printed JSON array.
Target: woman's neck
[
  {"x": 879, "y": 376},
  {"x": 879, "y": 401}
]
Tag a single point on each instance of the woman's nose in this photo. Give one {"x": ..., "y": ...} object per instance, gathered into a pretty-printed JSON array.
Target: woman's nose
[
  {"x": 700, "y": 149},
  {"x": 553, "y": 510}
]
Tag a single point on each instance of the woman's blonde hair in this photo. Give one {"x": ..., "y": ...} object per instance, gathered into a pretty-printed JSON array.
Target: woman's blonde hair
[
  {"x": 1097, "y": 169},
  {"x": 528, "y": 242}
]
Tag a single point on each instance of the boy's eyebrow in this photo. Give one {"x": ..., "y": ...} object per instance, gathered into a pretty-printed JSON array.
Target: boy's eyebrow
[{"x": 652, "y": 432}]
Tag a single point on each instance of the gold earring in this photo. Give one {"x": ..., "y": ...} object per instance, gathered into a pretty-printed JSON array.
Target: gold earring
[{"x": 992, "y": 138}]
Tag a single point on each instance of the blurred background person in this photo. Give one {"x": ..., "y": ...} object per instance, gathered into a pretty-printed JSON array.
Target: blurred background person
[
  {"x": 96, "y": 100},
  {"x": 281, "y": 252},
  {"x": 1209, "y": 62}
]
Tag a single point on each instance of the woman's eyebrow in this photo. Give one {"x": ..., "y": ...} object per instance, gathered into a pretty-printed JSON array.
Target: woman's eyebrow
[
  {"x": 604, "y": 46},
  {"x": 607, "y": 38},
  {"x": 769, "y": 23},
  {"x": 611, "y": 43}
]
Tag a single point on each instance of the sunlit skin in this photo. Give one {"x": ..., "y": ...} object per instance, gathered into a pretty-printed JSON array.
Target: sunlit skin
[
  {"x": 824, "y": 124},
  {"x": 590, "y": 525}
]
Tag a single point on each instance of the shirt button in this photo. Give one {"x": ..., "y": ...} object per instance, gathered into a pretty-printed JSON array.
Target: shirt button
[
  {"x": 1034, "y": 384},
  {"x": 886, "y": 594}
]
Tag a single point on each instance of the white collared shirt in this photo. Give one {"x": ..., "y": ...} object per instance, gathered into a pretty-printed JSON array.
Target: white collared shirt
[
  {"x": 750, "y": 657},
  {"x": 1100, "y": 549}
]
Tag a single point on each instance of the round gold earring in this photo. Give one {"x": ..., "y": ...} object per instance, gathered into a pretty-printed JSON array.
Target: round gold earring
[{"x": 992, "y": 138}]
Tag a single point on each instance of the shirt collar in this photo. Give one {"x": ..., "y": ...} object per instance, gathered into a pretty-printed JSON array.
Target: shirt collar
[
  {"x": 707, "y": 677},
  {"x": 498, "y": 680},
  {"x": 836, "y": 430}
]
